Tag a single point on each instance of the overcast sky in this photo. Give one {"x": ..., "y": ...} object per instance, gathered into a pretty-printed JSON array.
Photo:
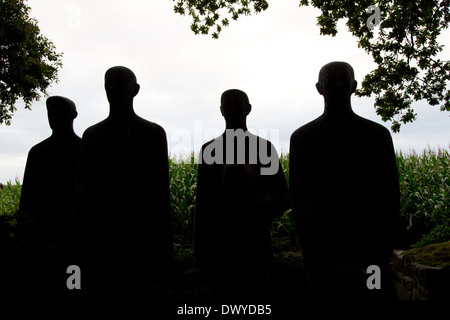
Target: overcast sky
[{"x": 274, "y": 56}]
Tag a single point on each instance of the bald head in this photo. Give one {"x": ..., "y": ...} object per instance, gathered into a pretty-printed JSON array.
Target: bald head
[
  {"x": 120, "y": 71},
  {"x": 336, "y": 81},
  {"x": 120, "y": 84},
  {"x": 234, "y": 96},
  {"x": 337, "y": 67},
  {"x": 235, "y": 107}
]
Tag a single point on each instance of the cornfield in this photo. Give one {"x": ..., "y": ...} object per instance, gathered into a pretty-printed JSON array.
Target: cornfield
[
  {"x": 425, "y": 196},
  {"x": 183, "y": 185},
  {"x": 424, "y": 185}
]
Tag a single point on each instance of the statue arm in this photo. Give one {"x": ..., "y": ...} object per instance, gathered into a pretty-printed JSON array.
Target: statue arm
[
  {"x": 204, "y": 206},
  {"x": 278, "y": 196},
  {"x": 163, "y": 186},
  {"x": 392, "y": 191},
  {"x": 29, "y": 183}
]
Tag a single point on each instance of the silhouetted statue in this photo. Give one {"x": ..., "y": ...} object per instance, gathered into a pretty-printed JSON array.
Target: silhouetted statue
[
  {"x": 47, "y": 195},
  {"x": 121, "y": 229},
  {"x": 241, "y": 188},
  {"x": 344, "y": 185}
]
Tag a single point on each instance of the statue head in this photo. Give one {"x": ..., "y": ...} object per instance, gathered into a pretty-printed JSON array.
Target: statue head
[
  {"x": 61, "y": 112},
  {"x": 235, "y": 107},
  {"x": 336, "y": 82},
  {"x": 121, "y": 85}
]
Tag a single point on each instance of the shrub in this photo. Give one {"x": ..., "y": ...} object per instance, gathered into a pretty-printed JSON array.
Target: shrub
[{"x": 9, "y": 202}]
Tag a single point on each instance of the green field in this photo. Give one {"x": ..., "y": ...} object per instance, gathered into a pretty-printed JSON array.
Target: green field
[{"x": 425, "y": 200}]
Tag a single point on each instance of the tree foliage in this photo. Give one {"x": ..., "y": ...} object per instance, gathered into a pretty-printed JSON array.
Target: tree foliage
[
  {"x": 213, "y": 14},
  {"x": 28, "y": 60},
  {"x": 404, "y": 45}
]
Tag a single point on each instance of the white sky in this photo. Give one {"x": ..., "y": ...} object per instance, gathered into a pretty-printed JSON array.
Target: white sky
[{"x": 274, "y": 56}]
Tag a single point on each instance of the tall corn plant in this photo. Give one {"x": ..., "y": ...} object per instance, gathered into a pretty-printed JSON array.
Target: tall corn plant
[
  {"x": 425, "y": 196},
  {"x": 284, "y": 160},
  {"x": 183, "y": 185},
  {"x": 284, "y": 226}
]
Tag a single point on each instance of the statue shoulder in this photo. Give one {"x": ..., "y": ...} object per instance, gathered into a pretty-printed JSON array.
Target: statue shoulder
[
  {"x": 307, "y": 130},
  {"x": 150, "y": 127},
  {"x": 94, "y": 130},
  {"x": 40, "y": 147},
  {"x": 373, "y": 128}
]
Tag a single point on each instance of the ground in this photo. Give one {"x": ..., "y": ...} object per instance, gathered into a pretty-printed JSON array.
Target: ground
[
  {"x": 287, "y": 278},
  {"x": 434, "y": 255}
]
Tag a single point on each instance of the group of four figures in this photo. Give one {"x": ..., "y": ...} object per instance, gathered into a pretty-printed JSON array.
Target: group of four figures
[{"x": 106, "y": 197}]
